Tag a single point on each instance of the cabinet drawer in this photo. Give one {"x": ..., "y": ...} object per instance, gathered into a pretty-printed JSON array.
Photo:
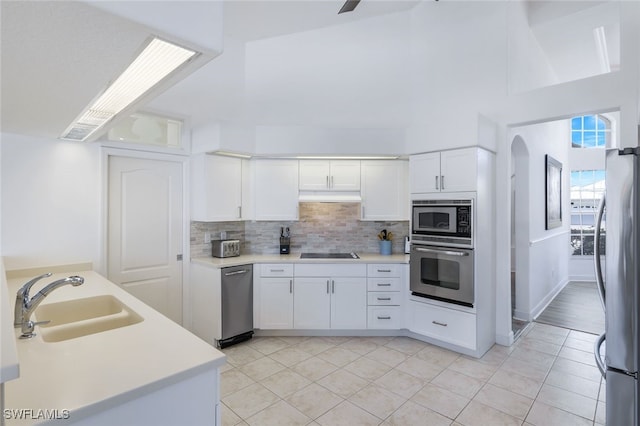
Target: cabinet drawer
[
  {"x": 330, "y": 270},
  {"x": 448, "y": 325},
  {"x": 383, "y": 284},
  {"x": 276, "y": 270},
  {"x": 383, "y": 270},
  {"x": 384, "y": 317},
  {"x": 383, "y": 298}
]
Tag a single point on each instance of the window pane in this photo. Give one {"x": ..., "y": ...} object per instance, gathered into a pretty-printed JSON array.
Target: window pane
[
  {"x": 602, "y": 140},
  {"x": 589, "y": 139},
  {"x": 589, "y": 122},
  {"x": 587, "y": 188},
  {"x": 602, "y": 124},
  {"x": 576, "y": 123},
  {"x": 576, "y": 139}
]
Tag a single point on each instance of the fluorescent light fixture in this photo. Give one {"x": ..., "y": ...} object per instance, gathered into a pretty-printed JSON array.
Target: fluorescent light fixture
[
  {"x": 602, "y": 51},
  {"x": 156, "y": 61},
  {"x": 230, "y": 154},
  {"x": 346, "y": 157}
]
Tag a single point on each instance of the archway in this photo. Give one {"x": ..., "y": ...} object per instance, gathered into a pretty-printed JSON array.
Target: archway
[{"x": 520, "y": 216}]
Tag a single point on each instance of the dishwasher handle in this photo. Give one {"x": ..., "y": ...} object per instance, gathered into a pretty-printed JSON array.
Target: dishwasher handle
[{"x": 240, "y": 272}]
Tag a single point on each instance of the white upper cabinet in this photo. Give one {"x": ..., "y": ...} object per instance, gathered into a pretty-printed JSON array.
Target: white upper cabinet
[
  {"x": 326, "y": 175},
  {"x": 446, "y": 171},
  {"x": 275, "y": 189},
  {"x": 385, "y": 195},
  {"x": 217, "y": 188}
]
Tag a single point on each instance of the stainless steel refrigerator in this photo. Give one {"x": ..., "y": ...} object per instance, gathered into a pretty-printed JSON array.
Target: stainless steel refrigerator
[{"x": 619, "y": 290}]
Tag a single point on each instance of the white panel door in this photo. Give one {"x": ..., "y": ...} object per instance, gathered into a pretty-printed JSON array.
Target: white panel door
[
  {"x": 311, "y": 303},
  {"x": 314, "y": 175},
  {"x": 345, "y": 176},
  {"x": 276, "y": 303},
  {"x": 276, "y": 190},
  {"x": 424, "y": 173},
  {"x": 349, "y": 303},
  {"x": 145, "y": 231},
  {"x": 459, "y": 170}
]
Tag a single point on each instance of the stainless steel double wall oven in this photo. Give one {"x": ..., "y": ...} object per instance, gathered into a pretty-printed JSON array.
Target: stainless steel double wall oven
[{"x": 441, "y": 259}]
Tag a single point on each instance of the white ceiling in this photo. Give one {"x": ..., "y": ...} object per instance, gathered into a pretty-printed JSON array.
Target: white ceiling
[
  {"x": 248, "y": 20},
  {"x": 308, "y": 65}
]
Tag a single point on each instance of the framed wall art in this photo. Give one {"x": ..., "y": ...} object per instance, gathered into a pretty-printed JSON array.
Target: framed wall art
[{"x": 553, "y": 184}]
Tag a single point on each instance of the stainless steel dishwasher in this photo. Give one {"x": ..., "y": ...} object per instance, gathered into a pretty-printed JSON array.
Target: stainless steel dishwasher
[{"x": 237, "y": 305}]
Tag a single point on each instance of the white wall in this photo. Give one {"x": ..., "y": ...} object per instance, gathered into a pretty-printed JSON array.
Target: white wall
[
  {"x": 51, "y": 197},
  {"x": 458, "y": 71},
  {"x": 529, "y": 67}
]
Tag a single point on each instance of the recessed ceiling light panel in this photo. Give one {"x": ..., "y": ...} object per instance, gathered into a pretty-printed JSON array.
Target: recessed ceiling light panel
[{"x": 156, "y": 62}]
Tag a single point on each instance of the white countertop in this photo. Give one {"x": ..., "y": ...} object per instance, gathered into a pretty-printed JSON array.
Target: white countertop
[
  {"x": 88, "y": 374},
  {"x": 295, "y": 258}
]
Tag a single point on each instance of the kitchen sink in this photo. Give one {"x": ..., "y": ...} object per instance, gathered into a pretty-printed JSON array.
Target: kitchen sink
[{"x": 81, "y": 317}]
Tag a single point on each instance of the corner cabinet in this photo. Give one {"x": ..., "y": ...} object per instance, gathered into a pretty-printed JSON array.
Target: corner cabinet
[
  {"x": 446, "y": 171},
  {"x": 275, "y": 186},
  {"x": 384, "y": 191},
  {"x": 217, "y": 185},
  {"x": 329, "y": 175}
]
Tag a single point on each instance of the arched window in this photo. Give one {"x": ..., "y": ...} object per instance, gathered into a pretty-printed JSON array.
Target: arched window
[{"x": 590, "y": 131}]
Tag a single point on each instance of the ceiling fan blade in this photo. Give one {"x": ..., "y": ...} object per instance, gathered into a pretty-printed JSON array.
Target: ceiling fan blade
[{"x": 348, "y": 6}]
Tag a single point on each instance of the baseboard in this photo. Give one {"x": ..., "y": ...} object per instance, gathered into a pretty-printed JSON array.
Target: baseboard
[{"x": 540, "y": 307}]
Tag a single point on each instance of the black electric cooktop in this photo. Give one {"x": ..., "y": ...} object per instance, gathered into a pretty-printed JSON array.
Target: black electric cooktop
[{"x": 351, "y": 255}]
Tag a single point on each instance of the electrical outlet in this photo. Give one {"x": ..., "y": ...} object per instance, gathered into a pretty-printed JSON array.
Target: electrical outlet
[
  {"x": 223, "y": 235},
  {"x": 207, "y": 237}
]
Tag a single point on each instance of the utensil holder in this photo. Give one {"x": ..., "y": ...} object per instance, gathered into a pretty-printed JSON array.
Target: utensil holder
[
  {"x": 385, "y": 247},
  {"x": 285, "y": 245}
]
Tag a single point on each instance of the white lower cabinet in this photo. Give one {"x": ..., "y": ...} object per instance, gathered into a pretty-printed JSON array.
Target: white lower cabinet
[
  {"x": 384, "y": 317},
  {"x": 384, "y": 297},
  {"x": 274, "y": 296},
  {"x": 311, "y": 303},
  {"x": 330, "y": 297},
  {"x": 276, "y": 303},
  {"x": 448, "y": 325}
]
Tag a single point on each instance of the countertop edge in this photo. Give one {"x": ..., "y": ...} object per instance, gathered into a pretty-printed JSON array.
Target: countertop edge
[
  {"x": 9, "y": 364},
  {"x": 244, "y": 259}
]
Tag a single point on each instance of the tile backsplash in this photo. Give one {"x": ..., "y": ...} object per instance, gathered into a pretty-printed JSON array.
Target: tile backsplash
[{"x": 323, "y": 227}]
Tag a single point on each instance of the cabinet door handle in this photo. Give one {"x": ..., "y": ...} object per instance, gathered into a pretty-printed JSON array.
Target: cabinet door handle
[
  {"x": 239, "y": 211},
  {"x": 384, "y": 298},
  {"x": 327, "y": 286},
  {"x": 331, "y": 181},
  {"x": 442, "y": 324},
  {"x": 333, "y": 286},
  {"x": 384, "y": 318},
  {"x": 437, "y": 183},
  {"x": 384, "y": 270},
  {"x": 384, "y": 284},
  {"x": 327, "y": 185},
  {"x": 276, "y": 270},
  {"x": 291, "y": 286},
  {"x": 441, "y": 182}
]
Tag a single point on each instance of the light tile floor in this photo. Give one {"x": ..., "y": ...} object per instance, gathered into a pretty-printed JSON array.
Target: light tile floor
[{"x": 548, "y": 377}]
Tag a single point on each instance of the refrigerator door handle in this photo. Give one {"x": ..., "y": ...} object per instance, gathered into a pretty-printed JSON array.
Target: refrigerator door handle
[
  {"x": 596, "y": 353},
  {"x": 596, "y": 252}
]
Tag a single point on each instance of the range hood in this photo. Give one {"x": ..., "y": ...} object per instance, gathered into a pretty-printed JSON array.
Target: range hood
[{"x": 329, "y": 197}]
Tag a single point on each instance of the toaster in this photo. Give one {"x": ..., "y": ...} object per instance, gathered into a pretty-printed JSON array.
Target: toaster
[{"x": 225, "y": 248}]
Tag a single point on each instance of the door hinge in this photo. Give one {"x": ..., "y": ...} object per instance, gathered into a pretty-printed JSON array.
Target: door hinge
[{"x": 179, "y": 258}]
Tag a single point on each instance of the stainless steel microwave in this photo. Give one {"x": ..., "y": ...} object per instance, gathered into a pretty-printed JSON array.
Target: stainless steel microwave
[{"x": 445, "y": 223}]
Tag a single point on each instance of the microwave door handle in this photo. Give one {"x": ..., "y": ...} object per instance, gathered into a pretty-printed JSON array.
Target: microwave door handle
[{"x": 444, "y": 252}]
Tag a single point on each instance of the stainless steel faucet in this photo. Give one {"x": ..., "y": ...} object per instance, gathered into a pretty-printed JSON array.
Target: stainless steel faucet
[{"x": 25, "y": 305}]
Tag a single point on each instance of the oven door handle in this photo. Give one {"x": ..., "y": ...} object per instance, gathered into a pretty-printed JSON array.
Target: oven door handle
[{"x": 444, "y": 252}]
